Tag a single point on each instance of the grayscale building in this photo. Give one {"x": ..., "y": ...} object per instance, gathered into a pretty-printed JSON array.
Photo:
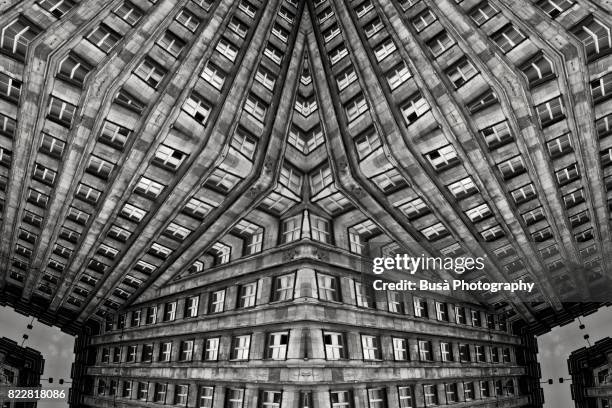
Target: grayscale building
[
  {"x": 195, "y": 188},
  {"x": 19, "y": 367},
  {"x": 591, "y": 371}
]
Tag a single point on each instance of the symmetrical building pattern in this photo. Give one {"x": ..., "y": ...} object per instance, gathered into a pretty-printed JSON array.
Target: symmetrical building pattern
[{"x": 195, "y": 187}]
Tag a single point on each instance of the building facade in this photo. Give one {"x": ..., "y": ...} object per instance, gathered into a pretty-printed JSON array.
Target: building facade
[
  {"x": 19, "y": 367},
  {"x": 590, "y": 368},
  {"x": 196, "y": 188}
]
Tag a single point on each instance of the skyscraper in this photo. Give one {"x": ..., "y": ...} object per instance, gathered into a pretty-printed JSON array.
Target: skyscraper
[
  {"x": 590, "y": 369},
  {"x": 195, "y": 188}
]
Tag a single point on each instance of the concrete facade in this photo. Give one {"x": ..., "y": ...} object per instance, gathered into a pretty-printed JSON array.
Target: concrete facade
[
  {"x": 19, "y": 367},
  {"x": 590, "y": 369},
  {"x": 176, "y": 175}
]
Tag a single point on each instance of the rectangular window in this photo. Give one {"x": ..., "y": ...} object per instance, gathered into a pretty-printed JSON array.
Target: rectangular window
[
  {"x": 150, "y": 72},
  {"x": 371, "y": 347},
  {"x": 129, "y": 13},
  {"x": 398, "y": 75},
  {"x": 196, "y": 107},
  {"x": 61, "y": 111},
  {"x": 415, "y": 107},
  {"x": 329, "y": 287},
  {"x": 211, "y": 349},
  {"x": 171, "y": 43},
  {"x": 169, "y": 311},
  {"x": 276, "y": 346},
  {"x": 446, "y": 350},
  {"x": 508, "y": 37},
  {"x": 377, "y": 397},
  {"x": 270, "y": 399},
  {"x": 148, "y": 187},
  {"x": 188, "y": 20},
  {"x": 440, "y": 43},
  {"x": 246, "y": 296},
  {"x": 464, "y": 352},
  {"x": 550, "y": 112},
  {"x": 234, "y": 397},
  {"x": 400, "y": 349},
  {"x": 425, "y": 350},
  {"x": 341, "y": 399},
  {"x": 181, "y": 394},
  {"x": 217, "y": 301},
  {"x": 406, "y": 397},
  {"x": 461, "y": 72},
  {"x": 282, "y": 287},
  {"x": 335, "y": 346},
  {"x": 186, "y": 350},
  {"x": 104, "y": 38},
  {"x": 483, "y": 12},
  {"x": 165, "y": 351},
  {"x": 240, "y": 347}
]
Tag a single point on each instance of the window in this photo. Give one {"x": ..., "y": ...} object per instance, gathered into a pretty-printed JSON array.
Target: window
[
  {"x": 328, "y": 287},
  {"x": 256, "y": 108},
  {"x": 273, "y": 53},
  {"x": 460, "y": 317},
  {"x": 424, "y": 19},
  {"x": 442, "y": 158},
  {"x": 601, "y": 88},
  {"x": 400, "y": 349},
  {"x": 44, "y": 174},
  {"x": 280, "y": 32},
  {"x": 508, "y": 37},
  {"x": 8, "y": 125},
  {"x": 550, "y": 112},
  {"x": 446, "y": 350},
  {"x": 331, "y": 32},
  {"x": 151, "y": 315},
  {"x": 276, "y": 346},
  {"x": 538, "y": 69},
  {"x": 579, "y": 219},
  {"x": 595, "y": 36},
  {"x": 104, "y": 38},
  {"x": 574, "y": 198},
  {"x": 568, "y": 174},
  {"x": 431, "y": 394},
  {"x": 483, "y": 12},
  {"x": 17, "y": 35},
  {"x": 129, "y": 13},
  {"x": 554, "y": 7},
  {"x": 335, "y": 346},
  {"x": 463, "y": 188},
  {"x": 165, "y": 351},
  {"x": 461, "y": 72},
  {"x": 560, "y": 146},
  {"x": 485, "y": 391},
  {"x": 442, "y": 311},
  {"x": 211, "y": 349},
  {"x": 271, "y": 399},
  {"x": 523, "y": 194},
  {"x": 377, "y": 397},
  {"x": 479, "y": 353},
  {"x": 440, "y": 43},
  {"x": 240, "y": 347},
  {"x": 511, "y": 167},
  {"x": 355, "y": 107},
  {"x": 363, "y": 8},
  {"x": 188, "y": 20},
  {"x": 126, "y": 389},
  {"x": 217, "y": 301},
  {"x": 191, "y": 306},
  {"x": 159, "y": 393},
  {"x": 320, "y": 229},
  {"x": 337, "y": 54},
  {"x": 147, "y": 353},
  {"x": 371, "y": 347},
  {"x": 493, "y": 233},
  {"x": 73, "y": 68},
  {"x": 396, "y": 304},
  {"x": 246, "y": 296},
  {"x": 172, "y": 43},
  {"x": 88, "y": 194},
  {"x": 114, "y": 135},
  {"x": 196, "y": 107},
  {"x": 479, "y": 213},
  {"x": 148, "y": 187},
  {"x": 265, "y": 77},
  {"x": 150, "y": 72},
  {"x": 282, "y": 288},
  {"x": 61, "y": 111},
  {"x": 186, "y": 350},
  {"x": 451, "y": 393},
  {"x": 341, "y": 399},
  {"x": 58, "y": 8},
  {"x": 398, "y": 75},
  {"x": 181, "y": 394},
  {"x": 346, "y": 77},
  {"x": 324, "y": 15},
  {"x": 434, "y": 232},
  {"x": 406, "y": 399},
  {"x": 247, "y": 8},
  {"x": 464, "y": 352},
  {"x": 373, "y": 27},
  {"x": 234, "y": 397},
  {"x": 425, "y": 350},
  {"x": 169, "y": 311},
  {"x": 132, "y": 212},
  {"x": 99, "y": 167},
  {"x": 381, "y": 51},
  {"x": 415, "y": 107}
]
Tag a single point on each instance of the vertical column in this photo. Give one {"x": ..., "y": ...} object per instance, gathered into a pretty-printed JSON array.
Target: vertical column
[
  {"x": 305, "y": 283},
  {"x": 264, "y": 287},
  {"x": 297, "y": 344}
]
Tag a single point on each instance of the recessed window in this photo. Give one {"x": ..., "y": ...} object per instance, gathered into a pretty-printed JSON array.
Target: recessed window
[
  {"x": 276, "y": 345},
  {"x": 104, "y": 38},
  {"x": 508, "y": 37},
  {"x": 595, "y": 36},
  {"x": 483, "y": 12},
  {"x": 171, "y": 43},
  {"x": 440, "y": 43},
  {"x": 463, "y": 188},
  {"x": 188, "y": 20},
  {"x": 61, "y": 111},
  {"x": 384, "y": 49},
  {"x": 461, "y": 72},
  {"x": 240, "y": 347},
  {"x": 148, "y": 187},
  {"x": 424, "y": 19},
  {"x": 129, "y": 13},
  {"x": 554, "y": 8},
  {"x": 58, "y": 8},
  {"x": 73, "y": 68},
  {"x": 512, "y": 167},
  {"x": 415, "y": 107},
  {"x": 150, "y": 72},
  {"x": 52, "y": 146}
]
